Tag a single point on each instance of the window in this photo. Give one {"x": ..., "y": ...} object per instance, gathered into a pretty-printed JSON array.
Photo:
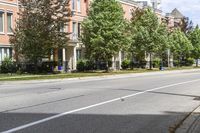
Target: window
[
  {"x": 74, "y": 28},
  {"x": 79, "y": 5},
  {"x": 67, "y": 27},
  {"x": 73, "y": 5},
  {"x": 62, "y": 27},
  {"x": 9, "y": 22},
  {"x": 74, "y": 35},
  {"x": 1, "y": 21},
  {"x": 130, "y": 11},
  {"x": 78, "y": 54},
  {"x": 10, "y": 52},
  {"x": 60, "y": 57},
  {"x": 5, "y": 52},
  {"x": 1, "y": 55},
  {"x": 79, "y": 29}
]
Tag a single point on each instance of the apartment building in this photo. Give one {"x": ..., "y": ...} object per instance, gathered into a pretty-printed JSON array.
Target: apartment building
[
  {"x": 67, "y": 57},
  {"x": 174, "y": 19},
  {"x": 8, "y": 15}
]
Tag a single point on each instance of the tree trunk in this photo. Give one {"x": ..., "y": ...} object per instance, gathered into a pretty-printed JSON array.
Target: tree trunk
[
  {"x": 107, "y": 66},
  {"x": 132, "y": 60},
  {"x": 150, "y": 63},
  {"x": 36, "y": 66},
  {"x": 197, "y": 62}
]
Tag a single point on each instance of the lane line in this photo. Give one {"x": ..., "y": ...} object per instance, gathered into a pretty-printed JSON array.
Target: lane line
[{"x": 92, "y": 106}]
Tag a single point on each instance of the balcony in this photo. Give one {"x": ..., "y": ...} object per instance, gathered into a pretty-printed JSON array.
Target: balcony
[
  {"x": 158, "y": 11},
  {"x": 74, "y": 38}
]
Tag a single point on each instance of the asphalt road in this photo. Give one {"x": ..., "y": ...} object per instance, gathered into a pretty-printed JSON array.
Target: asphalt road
[{"x": 154, "y": 103}]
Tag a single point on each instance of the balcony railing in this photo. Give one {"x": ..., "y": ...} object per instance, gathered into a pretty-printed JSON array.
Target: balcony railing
[{"x": 74, "y": 37}]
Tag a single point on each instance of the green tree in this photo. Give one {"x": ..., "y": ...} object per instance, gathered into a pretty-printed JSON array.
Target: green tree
[
  {"x": 180, "y": 45},
  {"x": 39, "y": 28},
  {"x": 103, "y": 31},
  {"x": 135, "y": 48},
  {"x": 149, "y": 35},
  {"x": 194, "y": 37}
]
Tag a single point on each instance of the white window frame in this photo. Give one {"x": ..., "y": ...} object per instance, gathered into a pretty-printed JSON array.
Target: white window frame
[
  {"x": 73, "y": 5},
  {"x": 67, "y": 27},
  {"x": 62, "y": 27},
  {"x": 74, "y": 27},
  {"x": 74, "y": 30},
  {"x": 3, "y": 15},
  {"x": 1, "y": 55},
  {"x": 78, "y": 6},
  {"x": 10, "y": 12},
  {"x": 79, "y": 29}
]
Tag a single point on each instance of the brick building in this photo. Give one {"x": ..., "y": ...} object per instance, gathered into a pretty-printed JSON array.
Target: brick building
[
  {"x": 8, "y": 15},
  {"x": 67, "y": 57}
]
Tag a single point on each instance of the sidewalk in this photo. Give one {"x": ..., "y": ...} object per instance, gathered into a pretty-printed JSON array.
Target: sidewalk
[
  {"x": 94, "y": 78},
  {"x": 191, "y": 124}
]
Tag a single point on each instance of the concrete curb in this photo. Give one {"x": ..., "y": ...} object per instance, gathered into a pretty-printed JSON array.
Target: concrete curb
[
  {"x": 95, "y": 78},
  {"x": 191, "y": 124}
]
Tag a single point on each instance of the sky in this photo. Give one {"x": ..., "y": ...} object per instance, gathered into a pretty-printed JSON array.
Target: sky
[{"x": 189, "y": 8}]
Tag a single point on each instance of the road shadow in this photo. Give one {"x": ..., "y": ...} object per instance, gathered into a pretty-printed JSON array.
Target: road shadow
[
  {"x": 94, "y": 123},
  {"x": 196, "y": 97}
]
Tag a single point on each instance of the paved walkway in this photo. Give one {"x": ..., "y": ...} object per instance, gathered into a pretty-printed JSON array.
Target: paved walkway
[
  {"x": 192, "y": 123},
  {"x": 91, "y": 78}
]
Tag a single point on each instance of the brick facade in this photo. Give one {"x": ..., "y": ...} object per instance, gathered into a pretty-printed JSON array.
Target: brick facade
[
  {"x": 8, "y": 15},
  {"x": 68, "y": 56}
]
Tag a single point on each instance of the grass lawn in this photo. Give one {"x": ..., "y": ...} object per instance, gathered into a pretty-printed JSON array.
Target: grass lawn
[{"x": 15, "y": 77}]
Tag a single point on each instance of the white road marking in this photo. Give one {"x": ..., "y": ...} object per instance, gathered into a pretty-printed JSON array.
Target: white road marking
[{"x": 92, "y": 106}]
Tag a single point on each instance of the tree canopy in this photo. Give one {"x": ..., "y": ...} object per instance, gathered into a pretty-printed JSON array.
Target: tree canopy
[
  {"x": 194, "y": 37},
  {"x": 39, "y": 28},
  {"x": 180, "y": 44},
  {"x": 103, "y": 31},
  {"x": 149, "y": 35}
]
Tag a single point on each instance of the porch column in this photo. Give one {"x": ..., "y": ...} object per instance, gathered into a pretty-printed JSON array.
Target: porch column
[
  {"x": 64, "y": 59},
  {"x": 69, "y": 57},
  {"x": 168, "y": 57},
  {"x": 147, "y": 58},
  {"x": 120, "y": 60},
  {"x": 171, "y": 60},
  {"x": 113, "y": 63},
  {"x": 3, "y": 54},
  {"x": 51, "y": 55},
  {"x": 74, "y": 59}
]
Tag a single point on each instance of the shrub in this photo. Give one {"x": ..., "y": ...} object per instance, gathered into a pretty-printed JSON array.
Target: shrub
[
  {"x": 126, "y": 64},
  {"x": 90, "y": 65},
  {"x": 189, "y": 62},
  {"x": 47, "y": 67},
  {"x": 81, "y": 65},
  {"x": 8, "y": 66},
  {"x": 156, "y": 63},
  {"x": 138, "y": 64},
  {"x": 19, "y": 72},
  {"x": 176, "y": 63},
  {"x": 86, "y": 65}
]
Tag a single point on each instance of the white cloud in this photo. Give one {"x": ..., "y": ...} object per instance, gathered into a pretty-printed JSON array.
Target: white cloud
[{"x": 189, "y": 8}]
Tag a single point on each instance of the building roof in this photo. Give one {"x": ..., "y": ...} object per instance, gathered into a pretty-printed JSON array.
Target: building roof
[
  {"x": 177, "y": 14},
  {"x": 129, "y": 1}
]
